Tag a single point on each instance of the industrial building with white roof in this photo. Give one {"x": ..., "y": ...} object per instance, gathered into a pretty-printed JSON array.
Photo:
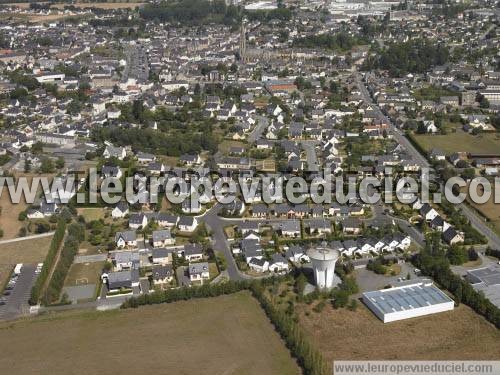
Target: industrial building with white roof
[{"x": 407, "y": 300}]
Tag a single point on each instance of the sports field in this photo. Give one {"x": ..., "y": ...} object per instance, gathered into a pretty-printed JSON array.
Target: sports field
[{"x": 222, "y": 335}]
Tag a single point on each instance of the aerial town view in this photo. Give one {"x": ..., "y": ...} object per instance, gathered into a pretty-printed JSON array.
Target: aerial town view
[{"x": 257, "y": 187}]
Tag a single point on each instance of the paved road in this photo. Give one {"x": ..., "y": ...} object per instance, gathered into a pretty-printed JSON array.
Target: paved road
[
  {"x": 256, "y": 134},
  {"x": 219, "y": 241},
  {"x": 312, "y": 158},
  {"x": 17, "y": 303},
  {"x": 48, "y": 234},
  {"x": 476, "y": 221}
]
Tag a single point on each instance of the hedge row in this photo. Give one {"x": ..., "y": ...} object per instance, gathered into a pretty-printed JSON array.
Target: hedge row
[
  {"x": 309, "y": 359},
  {"x": 76, "y": 233},
  {"x": 48, "y": 263},
  {"x": 186, "y": 293}
]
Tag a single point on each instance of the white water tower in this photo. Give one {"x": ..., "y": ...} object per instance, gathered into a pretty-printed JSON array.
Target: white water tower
[{"x": 323, "y": 261}]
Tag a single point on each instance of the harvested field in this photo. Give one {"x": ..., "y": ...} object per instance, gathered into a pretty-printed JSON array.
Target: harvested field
[
  {"x": 359, "y": 335},
  {"x": 222, "y": 335}
]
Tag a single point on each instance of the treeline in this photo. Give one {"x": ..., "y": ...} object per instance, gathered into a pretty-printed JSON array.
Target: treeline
[
  {"x": 175, "y": 143},
  {"x": 48, "y": 263},
  {"x": 191, "y": 12},
  {"x": 432, "y": 261},
  {"x": 308, "y": 358},
  {"x": 76, "y": 234},
  {"x": 186, "y": 293},
  {"x": 282, "y": 14},
  {"x": 335, "y": 42},
  {"x": 414, "y": 56}
]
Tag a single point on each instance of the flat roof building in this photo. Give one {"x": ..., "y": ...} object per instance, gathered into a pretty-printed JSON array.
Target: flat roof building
[
  {"x": 487, "y": 280},
  {"x": 407, "y": 301}
]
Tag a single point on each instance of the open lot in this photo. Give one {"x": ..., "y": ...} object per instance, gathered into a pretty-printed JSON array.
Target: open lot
[
  {"x": 223, "y": 335},
  {"x": 489, "y": 209},
  {"x": 91, "y": 213},
  {"x": 359, "y": 335},
  {"x": 25, "y": 251},
  {"x": 460, "y": 141}
]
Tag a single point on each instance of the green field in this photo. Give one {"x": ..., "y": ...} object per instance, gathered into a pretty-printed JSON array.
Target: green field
[
  {"x": 222, "y": 335},
  {"x": 460, "y": 141}
]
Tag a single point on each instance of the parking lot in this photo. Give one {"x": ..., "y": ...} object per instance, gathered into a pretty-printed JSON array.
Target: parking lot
[{"x": 14, "y": 299}]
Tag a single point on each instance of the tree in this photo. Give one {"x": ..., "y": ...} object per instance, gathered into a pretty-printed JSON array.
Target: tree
[
  {"x": 27, "y": 165},
  {"x": 60, "y": 162},
  {"x": 300, "y": 284},
  {"x": 340, "y": 298},
  {"x": 473, "y": 255},
  {"x": 457, "y": 255},
  {"x": 47, "y": 166}
]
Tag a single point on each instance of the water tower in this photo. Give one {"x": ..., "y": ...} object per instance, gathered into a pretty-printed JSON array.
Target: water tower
[{"x": 323, "y": 260}]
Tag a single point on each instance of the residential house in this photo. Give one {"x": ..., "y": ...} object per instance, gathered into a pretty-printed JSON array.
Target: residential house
[
  {"x": 126, "y": 239},
  {"x": 199, "y": 272},
  {"x": 162, "y": 238}
]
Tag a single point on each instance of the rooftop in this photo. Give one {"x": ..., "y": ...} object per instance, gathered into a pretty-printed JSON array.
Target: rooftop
[{"x": 407, "y": 297}]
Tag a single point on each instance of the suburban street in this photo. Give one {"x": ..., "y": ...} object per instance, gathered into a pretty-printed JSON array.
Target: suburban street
[
  {"x": 312, "y": 159},
  {"x": 219, "y": 241},
  {"x": 476, "y": 221},
  {"x": 260, "y": 127}
]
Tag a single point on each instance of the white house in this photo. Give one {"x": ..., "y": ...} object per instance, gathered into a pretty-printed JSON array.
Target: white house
[
  {"x": 198, "y": 272},
  {"x": 187, "y": 223},
  {"x": 126, "y": 239},
  {"x": 120, "y": 210}
]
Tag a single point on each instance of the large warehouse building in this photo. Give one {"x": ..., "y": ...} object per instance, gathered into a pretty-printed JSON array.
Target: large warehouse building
[
  {"x": 487, "y": 280},
  {"x": 408, "y": 300}
]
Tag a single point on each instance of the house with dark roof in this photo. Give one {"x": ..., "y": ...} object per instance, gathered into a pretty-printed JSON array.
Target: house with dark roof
[
  {"x": 162, "y": 238},
  {"x": 163, "y": 274},
  {"x": 126, "y": 239}
]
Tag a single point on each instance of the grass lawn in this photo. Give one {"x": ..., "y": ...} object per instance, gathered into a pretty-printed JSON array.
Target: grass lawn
[
  {"x": 9, "y": 213},
  {"x": 84, "y": 273},
  {"x": 393, "y": 270},
  {"x": 213, "y": 270},
  {"x": 229, "y": 231},
  {"x": 26, "y": 251},
  {"x": 92, "y": 213},
  {"x": 460, "y": 141},
  {"x": 356, "y": 335},
  {"x": 223, "y": 335}
]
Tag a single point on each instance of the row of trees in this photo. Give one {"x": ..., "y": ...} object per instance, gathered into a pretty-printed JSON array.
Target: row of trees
[
  {"x": 48, "y": 263},
  {"x": 175, "y": 143},
  {"x": 186, "y": 293},
  {"x": 76, "y": 234},
  {"x": 433, "y": 262},
  {"x": 307, "y": 356}
]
